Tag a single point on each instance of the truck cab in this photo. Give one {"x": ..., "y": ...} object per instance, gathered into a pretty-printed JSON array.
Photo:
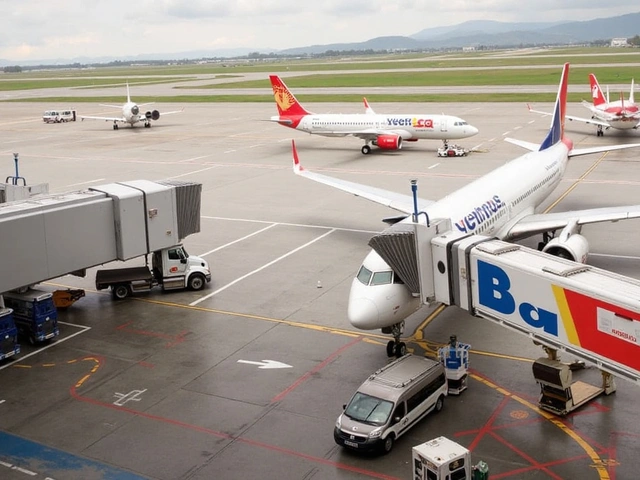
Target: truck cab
[
  {"x": 9, "y": 345},
  {"x": 174, "y": 268}
]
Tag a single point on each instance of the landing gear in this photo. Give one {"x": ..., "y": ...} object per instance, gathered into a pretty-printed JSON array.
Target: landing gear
[
  {"x": 115, "y": 126},
  {"x": 366, "y": 149},
  {"x": 599, "y": 131},
  {"x": 147, "y": 125},
  {"x": 396, "y": 348},
  {"x": 546, "y": 238}
]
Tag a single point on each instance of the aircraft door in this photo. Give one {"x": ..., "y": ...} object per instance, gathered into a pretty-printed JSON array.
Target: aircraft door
[{"x": 443, "y": 124}]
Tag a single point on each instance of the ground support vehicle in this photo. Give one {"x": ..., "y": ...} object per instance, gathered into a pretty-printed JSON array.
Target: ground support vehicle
[
  {"x": 9, "y": 345},
  {"x": 455, "y": 358},
  {"x": 34, "y": 313},
  {"x": 66, "y": 298},
  {"x": 390, "y": 402},
  {"x": 444, "y": 459},
  {"x": 172, "y": 268},
  {"x": 59, "y": 116},
  {"x": 452, "y": 150}
]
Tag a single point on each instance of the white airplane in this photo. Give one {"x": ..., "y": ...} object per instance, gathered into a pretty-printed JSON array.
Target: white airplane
[
  {"x": 387, "y": 132},
  {"x": 131, "y": 114},
  {"x": 501, "y": 204},
  {"x": 621, "y": 115}
]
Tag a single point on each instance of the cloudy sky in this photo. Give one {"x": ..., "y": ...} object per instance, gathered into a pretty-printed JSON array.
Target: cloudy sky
[{"x": 66, "y": 29}]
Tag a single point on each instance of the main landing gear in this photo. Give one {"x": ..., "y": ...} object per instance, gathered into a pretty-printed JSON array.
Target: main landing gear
[
  {"x": 115, "y": 125},
  {"x": 395, "y": 347},
  {"x": 599, "y": 131}
]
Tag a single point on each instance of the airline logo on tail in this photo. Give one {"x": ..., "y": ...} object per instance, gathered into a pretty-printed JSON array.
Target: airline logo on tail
[
  {"x": 556, "y": 133},
  {"x": 285, "y": 101},
  {"x": 596, "y": 91}
]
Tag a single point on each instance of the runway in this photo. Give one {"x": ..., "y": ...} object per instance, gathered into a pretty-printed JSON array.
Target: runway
[{"x": 169, "y": 386}]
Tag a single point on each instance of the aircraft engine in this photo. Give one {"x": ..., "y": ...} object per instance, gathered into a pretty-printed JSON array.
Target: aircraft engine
[
  {"x": 155, "y": 115},
  {"x": 575, "y": 247},
  {"x": 388, "y": 142}
]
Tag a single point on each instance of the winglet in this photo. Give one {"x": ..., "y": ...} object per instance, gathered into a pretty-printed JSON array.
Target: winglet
[{"x": 297, "y": 168}]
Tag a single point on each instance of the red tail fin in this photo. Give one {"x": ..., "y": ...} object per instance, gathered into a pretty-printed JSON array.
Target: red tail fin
[
  {"x": 596, "y": 91},
  {"x": 285, "y": 101}
]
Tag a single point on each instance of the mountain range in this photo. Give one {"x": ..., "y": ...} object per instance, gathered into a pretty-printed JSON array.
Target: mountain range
[{"x": 487, "y": 33}]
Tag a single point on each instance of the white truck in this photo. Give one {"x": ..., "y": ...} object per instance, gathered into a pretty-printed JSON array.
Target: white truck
[{"x": 172, "y": 268}]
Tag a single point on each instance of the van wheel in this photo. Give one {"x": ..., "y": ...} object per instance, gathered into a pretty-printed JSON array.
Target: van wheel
[
  {"x": 120, "y": 292},
  {"x": 387, "y": 446},
  {"x": 196, "y": 282},
  {"x": 439, "y": 403}
]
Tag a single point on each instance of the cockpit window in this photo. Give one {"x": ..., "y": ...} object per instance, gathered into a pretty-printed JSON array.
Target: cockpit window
[
  {"x": 382, "y": 278},
  {"x": 364, "y": 275}
]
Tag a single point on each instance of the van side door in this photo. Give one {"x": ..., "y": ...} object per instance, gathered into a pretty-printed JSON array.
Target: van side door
[{"x": 399, "y": 419}]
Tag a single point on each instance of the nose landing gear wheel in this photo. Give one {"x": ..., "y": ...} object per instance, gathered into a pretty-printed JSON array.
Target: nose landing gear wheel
[{"x": 366, "y": 149}]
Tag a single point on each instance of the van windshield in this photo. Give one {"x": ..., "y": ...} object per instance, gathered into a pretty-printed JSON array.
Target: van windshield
[{"x": 367, "y": 409}]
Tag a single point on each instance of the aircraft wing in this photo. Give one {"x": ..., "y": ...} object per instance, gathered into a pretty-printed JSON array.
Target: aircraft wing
[
  {"x": 397, "y": 201},
  {"x": 107, "y": 119},
  {"x": 591, "y": 121},
  {"x": 174, "y": 111},
  {"x": 548, "y": 222}
]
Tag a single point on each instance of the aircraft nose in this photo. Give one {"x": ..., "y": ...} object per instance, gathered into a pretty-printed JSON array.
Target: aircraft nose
[
  {"x": 363, "y": 314},
  {"x": 472, "y": 130}
]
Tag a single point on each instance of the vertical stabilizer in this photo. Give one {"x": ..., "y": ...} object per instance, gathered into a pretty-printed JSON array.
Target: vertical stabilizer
[
  {"x": 596, "y": 92},
  {"x": 286, "y": 102},
  {"x": 556, "y": 132},
  {"x": 128, "y": 96}
]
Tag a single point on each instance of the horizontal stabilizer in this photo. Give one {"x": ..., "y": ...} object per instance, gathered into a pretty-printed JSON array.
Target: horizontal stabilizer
[
  {"x": 605, "y": 148},
  {"x": 534, "y": 147}
]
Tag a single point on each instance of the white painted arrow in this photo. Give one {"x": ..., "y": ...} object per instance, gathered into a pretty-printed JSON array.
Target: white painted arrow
[{"x": 267, "y": 364}]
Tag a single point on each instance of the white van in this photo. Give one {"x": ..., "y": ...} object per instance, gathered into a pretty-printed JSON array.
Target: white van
[
  {"x": 59, "y": 116},
  {"x": 390, "y": 402}
]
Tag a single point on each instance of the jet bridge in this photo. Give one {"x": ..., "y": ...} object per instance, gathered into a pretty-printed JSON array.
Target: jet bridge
[
  {"x": 48, "y": 236},
  {"x": 590, "y": 313}
]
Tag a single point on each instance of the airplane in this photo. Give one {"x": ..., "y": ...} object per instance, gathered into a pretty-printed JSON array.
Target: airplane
[
  {"x": 387, "y": 132},
  {"x": 620, "y": 115},
  {"x": 131, "y": 114},
  {"x": 500, "y": 204}
]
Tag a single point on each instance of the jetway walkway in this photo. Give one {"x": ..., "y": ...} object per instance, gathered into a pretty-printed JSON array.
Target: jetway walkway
[
  {"x": 590, "y": 313},
  {"x": 48, "y": 236}
]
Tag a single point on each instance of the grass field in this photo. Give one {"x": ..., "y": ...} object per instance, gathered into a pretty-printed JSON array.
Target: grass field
[{"x": 526, "y": 67}]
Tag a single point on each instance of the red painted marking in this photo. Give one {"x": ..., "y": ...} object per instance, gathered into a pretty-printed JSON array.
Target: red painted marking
[
  {"x": 534, "y": 464},
  {"x": 226, "y": 436},
  {"x": 489, "y": 424},
  {"x": 317, "y": 368},
  {"x": 146, "y": 364}
]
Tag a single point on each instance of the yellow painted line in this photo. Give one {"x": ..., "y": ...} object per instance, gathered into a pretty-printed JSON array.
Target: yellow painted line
[
  {"x": 22, "y": 366},
  {"x": 418, "y": 335},
  {"x": 82, "y": 380},
  {"x": 598, "y": 464},
  {"x": 576, "y": 183},
  {"x": 48, "y": 364}
]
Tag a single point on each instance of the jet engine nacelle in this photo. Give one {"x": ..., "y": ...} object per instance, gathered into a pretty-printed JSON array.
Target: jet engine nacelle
[
  {"x": 155, "y": 115},
  {"x": 575, "y": 247},
  {"x": 388, "y": 142}
]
